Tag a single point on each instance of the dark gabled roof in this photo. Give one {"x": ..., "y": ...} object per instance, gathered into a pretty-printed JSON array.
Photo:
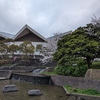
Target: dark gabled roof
[
  {"x": 6, "y": 35},
  {"x": 30, "y": 29}
]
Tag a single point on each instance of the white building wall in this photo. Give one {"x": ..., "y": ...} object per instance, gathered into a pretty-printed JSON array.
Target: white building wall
[{"x": 44, "y": 44}]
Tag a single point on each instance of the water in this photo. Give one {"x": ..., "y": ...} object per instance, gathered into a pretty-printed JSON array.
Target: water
[
  {"x": 50, "y": 92},
  {"x": 38, "y": 71}
]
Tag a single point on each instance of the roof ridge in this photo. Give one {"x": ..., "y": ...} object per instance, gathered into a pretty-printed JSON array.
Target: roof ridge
[{"x": 32, "y": 30}]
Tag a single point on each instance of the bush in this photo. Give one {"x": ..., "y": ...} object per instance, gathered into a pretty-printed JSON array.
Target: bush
[
  {"x": 91, "y": 91},
  {"x": 3, "y": 62},
  {"x": 77, "y": 70},
  {"x": 60, "y": 70}
]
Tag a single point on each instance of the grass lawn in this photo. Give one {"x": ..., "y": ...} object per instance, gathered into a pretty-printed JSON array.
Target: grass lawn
[
  {"x": 49, "y": 73},
  {"x": 95, "y": 65},
  {"x": 82, "y": 91}
]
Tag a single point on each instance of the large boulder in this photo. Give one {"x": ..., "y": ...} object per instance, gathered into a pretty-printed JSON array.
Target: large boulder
[
  {"x": 34, "y": 92},
  {"x": 9, "y": 88}
]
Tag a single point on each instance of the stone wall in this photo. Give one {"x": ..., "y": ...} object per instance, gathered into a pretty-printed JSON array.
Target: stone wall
[
  {"x": 82, "y": 83},
  {"x": 93, "y": 74},
  {"x": 33, "y": 79},
  {"x": 4, "y": 73}
]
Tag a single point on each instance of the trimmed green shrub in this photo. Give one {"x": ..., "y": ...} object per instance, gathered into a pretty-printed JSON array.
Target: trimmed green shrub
[{"x": 77, "y": 70}]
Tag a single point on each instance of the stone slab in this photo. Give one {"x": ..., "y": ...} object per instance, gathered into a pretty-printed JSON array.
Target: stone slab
[{"x": 9, "y": 88}]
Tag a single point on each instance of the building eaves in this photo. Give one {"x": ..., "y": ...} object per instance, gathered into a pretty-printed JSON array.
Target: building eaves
[
  {"x": 33, "y": 31},
  {"x": 6, "y": 35}
]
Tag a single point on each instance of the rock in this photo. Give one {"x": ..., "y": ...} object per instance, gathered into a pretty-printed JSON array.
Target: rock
[
  {"x": 34, "y": 92},
  {"x": 49, "y": 69},
  {"x": 9, "y": 88},
  {"x": 75, "y": 97}
]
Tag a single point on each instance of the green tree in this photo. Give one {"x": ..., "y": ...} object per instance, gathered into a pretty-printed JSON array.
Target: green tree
[
  {"x": 6, "y": 45},
  {"x": 8, "y": 40},
  {"x": 77, "y": 45},
  {"x": 26, "y": 48},
  {"x": 13, "y": 48},
  {"x": 39, "y": 47},
  {"x": 4, "y": 49}
]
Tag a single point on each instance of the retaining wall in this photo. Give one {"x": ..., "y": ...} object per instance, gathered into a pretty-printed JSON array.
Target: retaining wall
[
  {"x": 82, "y": 83},
  {"x": 93, "y": 74},
  {"x": 4, "y": 73},
  {"x": 33, "y": 79}
]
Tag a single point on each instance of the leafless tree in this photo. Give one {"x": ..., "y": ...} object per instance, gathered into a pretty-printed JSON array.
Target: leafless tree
[
  {"x": 94, "y": 27},
  {"x": 52, "y": 41}
]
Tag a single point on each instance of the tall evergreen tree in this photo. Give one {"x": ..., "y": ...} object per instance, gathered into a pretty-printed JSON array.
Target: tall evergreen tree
[{"x": 78, "y": 45}]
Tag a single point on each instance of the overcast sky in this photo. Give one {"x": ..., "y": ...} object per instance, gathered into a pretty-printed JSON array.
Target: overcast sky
[{"x": 47, "y": 16}]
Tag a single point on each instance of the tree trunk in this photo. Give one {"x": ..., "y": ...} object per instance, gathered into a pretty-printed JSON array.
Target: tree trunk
[{"x": 88, "y": 62}]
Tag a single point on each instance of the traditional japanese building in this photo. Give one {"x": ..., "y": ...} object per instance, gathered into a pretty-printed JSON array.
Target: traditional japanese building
[
  {"x": 28, "y": 34},
  {"x": 25, "y": 34}
]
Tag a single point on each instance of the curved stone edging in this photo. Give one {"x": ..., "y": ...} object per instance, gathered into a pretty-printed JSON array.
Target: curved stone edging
[{"x": 87, "y": 97}]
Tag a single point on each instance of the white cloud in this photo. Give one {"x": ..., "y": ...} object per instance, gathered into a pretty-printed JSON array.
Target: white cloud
[{"x": 46, "y": 16}]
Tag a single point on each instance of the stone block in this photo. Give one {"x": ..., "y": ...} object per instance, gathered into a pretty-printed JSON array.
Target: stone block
[
  {"x": 9, "y": 88},
  {"x": 34, "y": 92}
]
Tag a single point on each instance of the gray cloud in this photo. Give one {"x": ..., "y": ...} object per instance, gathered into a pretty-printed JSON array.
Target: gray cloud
[{"x": 46, "y": 16}]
